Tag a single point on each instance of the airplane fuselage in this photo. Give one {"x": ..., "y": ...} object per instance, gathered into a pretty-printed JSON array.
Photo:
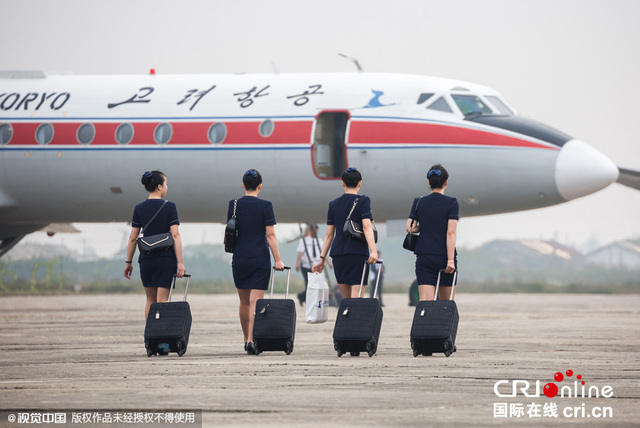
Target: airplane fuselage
[{"x": 73, "y": 148}]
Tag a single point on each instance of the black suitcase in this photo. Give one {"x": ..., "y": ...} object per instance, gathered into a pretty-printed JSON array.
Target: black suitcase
[
  {"x": 274, "y": 325},
  {"x": 435, "y": 324},
  {"x": 168, "y": 325},
  {"x": 358, "y": 323}
]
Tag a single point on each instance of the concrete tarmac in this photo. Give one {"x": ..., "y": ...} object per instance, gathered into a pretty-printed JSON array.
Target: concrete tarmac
[{"x": 86, "y": 352}]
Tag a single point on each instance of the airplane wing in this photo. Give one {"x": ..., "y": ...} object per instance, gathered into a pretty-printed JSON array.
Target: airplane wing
[{"x": 630, "y": 178}]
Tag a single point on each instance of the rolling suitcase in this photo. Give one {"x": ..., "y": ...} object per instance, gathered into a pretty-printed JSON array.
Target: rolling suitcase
[
  {"x": 168, "y": 325},
  {"x": 358, "y": 323},
  {"x": 435, "y": 324},
  {"x": 274, "y": 325}
]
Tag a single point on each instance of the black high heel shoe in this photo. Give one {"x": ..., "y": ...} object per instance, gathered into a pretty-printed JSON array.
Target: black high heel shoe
[{"x": 251, "y": 349}]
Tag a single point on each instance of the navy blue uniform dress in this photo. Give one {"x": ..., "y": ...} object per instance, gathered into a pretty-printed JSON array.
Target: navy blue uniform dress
[
  {"x": 348, "y": 254},
  {"x": 434, "y": 212},
  {"x": 251, "y": 264},
  {"x": 156, "y": 269}
]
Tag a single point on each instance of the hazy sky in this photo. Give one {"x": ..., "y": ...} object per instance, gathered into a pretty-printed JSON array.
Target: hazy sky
[{"x": 571, "y": 64}]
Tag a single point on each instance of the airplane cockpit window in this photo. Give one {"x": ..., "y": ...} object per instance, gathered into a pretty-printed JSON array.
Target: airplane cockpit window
[
  {"x": 266, "y": 128},
  {"x": 6, "y": 132},
  {"x": 499, "y": 105},
  {"x": 424, "y": 97},
  {"x": 44, "y": 133},
  {"x": 469, "y": 104},
  {"x": 124, "y": 133},
  {"x": 86, "y": 133},
  {"x": 441, "y": 105},
  {"x": 217, "y": 133},
  {"x": 163, "y": 133}
]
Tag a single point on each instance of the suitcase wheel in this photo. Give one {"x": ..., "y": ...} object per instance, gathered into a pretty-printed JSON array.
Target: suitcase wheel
[
  {"x": 354, "y": 353},
  {"x": 448, "y": 353},
  {"x": 340, "y": 353},
  {"x": 181, "y": 352},
  {"x": 416, "y": 353},
  {"x": 446, "y": 345},
  {"x": 371, "y": 349},
  {"x": 150, "y": 353},
  {"x": 289, "y": 348}
]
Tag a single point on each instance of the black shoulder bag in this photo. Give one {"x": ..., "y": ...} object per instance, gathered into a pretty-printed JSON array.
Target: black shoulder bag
[
  {"x": 231, "y": 231},
  {"x": 354, "y": 229},
  {"x": 155, "y": 243},
  {"x": 411, "y": 238}
]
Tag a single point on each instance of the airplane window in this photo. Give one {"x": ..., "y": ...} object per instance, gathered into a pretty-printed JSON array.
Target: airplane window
[
  {"x": 441, "y": 105},
  {"x": 163, "y": 133},
  {"x": 6, "y": 132},
  {"x": 469, "y": 104},
  {"x": 124, "y": 133},
  {"x": 44, "y": 133},
  {"x": 499, "y": 105},
  {"x": 424, "y": 97},
  {"x": 266, "y": 128},
  {"x": 217, "y": 133},
  {"x": 86, "y": 133}
]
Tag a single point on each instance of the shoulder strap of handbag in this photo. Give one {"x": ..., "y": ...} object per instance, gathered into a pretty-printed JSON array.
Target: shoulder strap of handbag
[
  {"x": 353, "y": 207},
  {"x": 417, "y": 205},
  {"x": 154, "y": 216},
  {"x": 235, "y": 207}
]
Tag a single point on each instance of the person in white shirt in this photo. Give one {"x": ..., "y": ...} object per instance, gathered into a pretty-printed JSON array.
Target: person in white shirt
[{"x": 309, "y": 250}]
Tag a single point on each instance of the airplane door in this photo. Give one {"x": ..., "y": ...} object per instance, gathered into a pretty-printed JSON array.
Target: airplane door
[{"x": 329, "y": 151}]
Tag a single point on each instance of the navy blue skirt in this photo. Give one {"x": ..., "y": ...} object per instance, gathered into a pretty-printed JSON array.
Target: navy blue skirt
[
  {"x": 348, "y": 268},
  {"x": 251, "y": 273},
  {"x": 427, "y": 268},
  {"x": 158, "y": 271}
]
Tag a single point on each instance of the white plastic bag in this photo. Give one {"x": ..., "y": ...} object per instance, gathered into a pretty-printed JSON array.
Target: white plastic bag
[{"x": 317, "y": 305}]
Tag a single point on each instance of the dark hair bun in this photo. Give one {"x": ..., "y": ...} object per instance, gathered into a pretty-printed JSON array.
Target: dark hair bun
[{"x": 152, "y": 179}]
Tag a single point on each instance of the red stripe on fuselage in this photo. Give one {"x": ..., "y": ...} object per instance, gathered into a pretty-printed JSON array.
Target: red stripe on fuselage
[
  {"x": 285, "y": 132},
  {"x": 431, "y": 134}
]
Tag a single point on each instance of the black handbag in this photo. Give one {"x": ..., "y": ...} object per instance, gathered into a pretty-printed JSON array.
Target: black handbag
[
  {"x": 354, "y": 229},
  {"x": 231, "y": 231},
  {"x": 410, "y": 240},
  {"x": 155, "y": 243}
]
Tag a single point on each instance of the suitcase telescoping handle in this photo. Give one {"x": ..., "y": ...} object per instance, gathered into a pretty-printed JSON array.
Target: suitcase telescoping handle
[
  {"x": 173, "y": 285},
  {"x": 273, "y": 274},
  {"x": 453, "y": 284},
  {"x": 364, "y": 271}
]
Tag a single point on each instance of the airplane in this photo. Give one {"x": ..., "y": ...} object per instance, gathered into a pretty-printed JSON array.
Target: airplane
[{"x": 73, "y": 147}]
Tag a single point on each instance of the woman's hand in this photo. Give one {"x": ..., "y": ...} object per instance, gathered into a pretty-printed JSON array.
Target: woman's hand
[
  {"x": 318, "y": 267},
  {"x": 373, "y": 257},
  {"x": 279, "y": 265},
  {"x": 451, "y": 267},
  {"x": 128, "y": 270},
  {"x": 181, "y": 270}
]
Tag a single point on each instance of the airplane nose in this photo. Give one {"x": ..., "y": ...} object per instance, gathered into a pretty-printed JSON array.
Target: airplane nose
[{"x": 582, "y": 170}]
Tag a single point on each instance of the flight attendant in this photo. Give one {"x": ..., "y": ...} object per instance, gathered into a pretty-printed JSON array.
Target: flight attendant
[
  {"x": 436, "y": 218},
  {"x": 251, "y": 264},
  {"x": 156, "y": 269},
  {"x": 349, "y": 255}
]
